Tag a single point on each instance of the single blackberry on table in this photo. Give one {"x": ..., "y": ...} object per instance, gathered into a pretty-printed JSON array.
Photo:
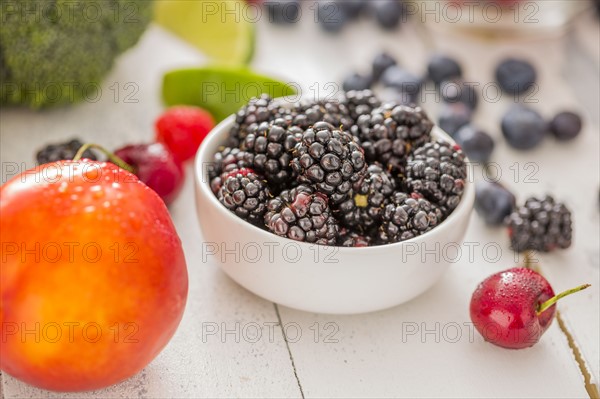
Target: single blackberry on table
[
  {"x": 406, "y": 217},
  {"x": 261, "y": 109},
  {"x": 540, "y": 225},
  {"x": 360, "y": 102},
  {"x": 246, "y": 194},
  {"x": 306, "y": 113},
  {"x": 62, "y": 151},
  {"x": 225, "y": 161},
  {"x": 330, "y": 159},
  {"x": 271, "y": 145},
  {"x": 390, "y": 133},
  {"x": 349, "y": 238},
  {"x": 370, "y": 194},
  {"x": 302, "y": 214},
  {"x": 437, "y": 170}
]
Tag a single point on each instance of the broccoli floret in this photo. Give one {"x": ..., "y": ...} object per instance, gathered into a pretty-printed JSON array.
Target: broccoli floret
[{"x": 55, "y": 52}]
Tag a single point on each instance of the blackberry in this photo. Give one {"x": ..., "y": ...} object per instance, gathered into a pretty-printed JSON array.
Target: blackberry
[
  {"x": 330, "y": 159},
  {"x": 540, "y": 225},
  {"x": 261, "y": 109},
  {"x": 349, "y": 238},
  {"x": 306, "y": 113},
  {"x": 302, "y": 214},
  {"x": 389, "y": 133},
  {"x": 271, "y": 145},
  {"x": 369, "y": 196},
  {"x": 62, "y": 151},
  {"x": 437, "y": 170},
  {"x": 360, "y": 102},
  {"x": 244, "y": 193},
  {"x": 408, "y": 216},
  {"x": 225, "y": 161}
]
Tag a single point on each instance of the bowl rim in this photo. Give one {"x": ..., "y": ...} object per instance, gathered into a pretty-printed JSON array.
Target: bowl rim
[{"x": 218, "y": 133}]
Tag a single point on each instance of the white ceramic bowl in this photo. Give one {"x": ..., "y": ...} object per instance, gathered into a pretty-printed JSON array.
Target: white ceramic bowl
[{"x": 318, "y": 278}]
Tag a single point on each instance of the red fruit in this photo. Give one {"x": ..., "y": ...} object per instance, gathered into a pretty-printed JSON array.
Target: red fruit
[
  {"x": 513, "y": 308},
  {"x": 156, "y": 166},
  {"x": 182, "y": 129},
  {"x": 94, "y": 279}
]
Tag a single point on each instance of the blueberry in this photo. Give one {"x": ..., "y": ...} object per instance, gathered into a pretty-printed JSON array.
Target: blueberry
[
  {"x": 453, "y": 116},
  {"x": 381, "y": 62},
  {"x": 388, "y": 12},
  {"x": 477, "y": 144},
  {"x": 453, "y": 91},
  {"x": 283, "y": 12},
  {"x": 402, "y": 80},
  {"x": 357, "y": 81},
  {"x": 515, "y": 76},
  {"x": 441, "y": 68},
  {"x": 353, "y": 7},
  {"x": 493, "y": 202},
  {"x": 566, "y": 126},
  {"x": 523, "y": 127},
  {"x": 331, "y": 15}
]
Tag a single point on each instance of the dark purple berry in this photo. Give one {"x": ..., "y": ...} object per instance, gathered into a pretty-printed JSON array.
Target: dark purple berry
[
  {"x": 331, "y": 15},
  {"x": 329, "y": 159},
  {"x": 302, "y": 214},
  {"x": 453, "y": 116},
  {"x": 515, "y": 76},
  {"x": 408, "y": 216},
  {"x": 523, "y": 127},
  {"x": 246, "y": 194},
  {"x": 381, "y": 63},
  {"x": 454, "y": 91},
  {"x": 62, "y": 151},
  {"x": 566, "y": 126},
  {"x": 540, "y": 225},
  {"x": 442, "y": 68},
  {"x": 437, "y": 171},
  {"x": 477, "y": 144},
  {"x": 357, "y": 81},
  {"x": 388, "y": 13},
  {"x": 493, "y": 202},
  {"x": 402, "y": 80}
]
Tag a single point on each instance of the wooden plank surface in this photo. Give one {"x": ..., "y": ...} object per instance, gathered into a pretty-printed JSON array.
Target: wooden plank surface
[{"x": 387, "y": 353}]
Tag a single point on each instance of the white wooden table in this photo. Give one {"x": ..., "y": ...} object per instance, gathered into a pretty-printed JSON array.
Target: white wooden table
[{"x": 425, "y": 348}]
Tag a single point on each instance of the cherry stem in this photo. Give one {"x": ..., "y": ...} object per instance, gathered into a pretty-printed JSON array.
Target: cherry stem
[
  {"x": 528, "y": 259},
  {"x": 111, "y": 156},
  {"x": 542, "y": 307}
]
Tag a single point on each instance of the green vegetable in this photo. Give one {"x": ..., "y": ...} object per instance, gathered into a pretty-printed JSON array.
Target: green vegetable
[
  {"x": 56, "y": 52},
  {"x": 220, "y": 90}
]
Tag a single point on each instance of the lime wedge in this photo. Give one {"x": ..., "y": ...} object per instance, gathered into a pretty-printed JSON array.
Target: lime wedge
[
  {"x": 221, "y": 29},
  {"x": 220, "y": 90}
]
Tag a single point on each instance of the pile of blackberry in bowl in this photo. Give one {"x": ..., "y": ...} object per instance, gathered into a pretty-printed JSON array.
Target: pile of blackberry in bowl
[{"x": 346, "y": 172}]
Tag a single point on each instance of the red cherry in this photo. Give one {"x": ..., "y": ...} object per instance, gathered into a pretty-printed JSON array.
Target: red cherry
[
  {"x": 182, "y": 129},
  {"x": 156, "y": 166},
  {"x": 513, "y": 308}
]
